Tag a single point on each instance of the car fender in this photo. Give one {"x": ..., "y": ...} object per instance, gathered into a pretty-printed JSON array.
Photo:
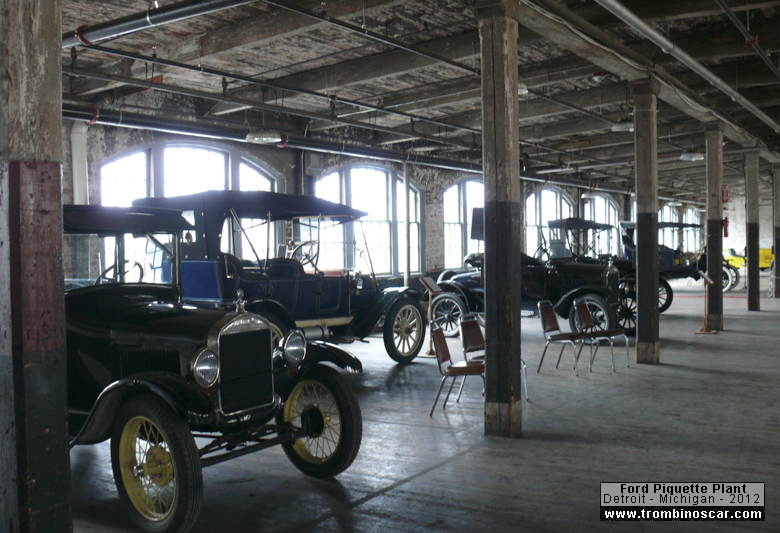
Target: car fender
[
  {"x": 565, "y": 302},
  {"x": 318, "y": 354},
  {"x": 460, "y": 290},
  {"x": 260, "y": 307},
  {"x": 363, "y": 325},
  {"x": 170, "y": 388}
]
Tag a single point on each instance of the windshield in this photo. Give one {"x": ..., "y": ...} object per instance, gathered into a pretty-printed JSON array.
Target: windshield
[{"x": 90, "y": 259}]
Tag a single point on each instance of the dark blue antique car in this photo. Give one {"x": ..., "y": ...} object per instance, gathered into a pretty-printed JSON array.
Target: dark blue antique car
[
  {"x": 152, "y": 373},
  {"x": 559, "y": 281},
  {"x": 283, "y": 283}
]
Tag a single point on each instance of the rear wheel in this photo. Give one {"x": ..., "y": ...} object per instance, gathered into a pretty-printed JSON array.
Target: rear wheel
[
  {"x": 404, "y": 331},
  {"x": 325, "y": 407},
  {"x": 156, "y": 466},
  {"x": 626, "y": 313},
  {"x": 604, "y": 317},
  {"x": 446, "y": 311},
  {"x": 727, "y": 277},
  {"x": 665, "y": 295}
]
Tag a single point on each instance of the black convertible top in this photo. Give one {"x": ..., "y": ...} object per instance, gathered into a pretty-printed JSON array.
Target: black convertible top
[
  {"x": 257, "y": 204},
  {"x": 661, "y": 225},
  {"x": 572, "y": 223},
  {"x": 118, "y": 220}
]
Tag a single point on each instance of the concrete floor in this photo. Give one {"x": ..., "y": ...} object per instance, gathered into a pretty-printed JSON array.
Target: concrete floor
[{"x": 708, "y": 413}]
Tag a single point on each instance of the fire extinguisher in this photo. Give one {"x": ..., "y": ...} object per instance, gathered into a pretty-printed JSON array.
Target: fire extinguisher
[
  {"x": 724, "y": 193},
  {"x": 725, "y": 226}
]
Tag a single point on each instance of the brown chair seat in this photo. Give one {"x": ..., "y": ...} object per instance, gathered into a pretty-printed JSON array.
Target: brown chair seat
[{"x": 463, "y": 368}]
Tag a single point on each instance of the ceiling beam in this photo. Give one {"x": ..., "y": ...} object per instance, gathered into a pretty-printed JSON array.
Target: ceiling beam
[
  {"x": 276, "y": 24},
  {"x": 663, "y": 11},
  {"x": 616, "y": 57}
]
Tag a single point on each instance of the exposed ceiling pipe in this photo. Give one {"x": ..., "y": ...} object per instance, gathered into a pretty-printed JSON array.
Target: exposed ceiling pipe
[
  {"x": 750, "y": 39},
  {"x": 668, "y": 47},
  {"x": 179, "y": 127},
  {"x": 146, "y": 19}
]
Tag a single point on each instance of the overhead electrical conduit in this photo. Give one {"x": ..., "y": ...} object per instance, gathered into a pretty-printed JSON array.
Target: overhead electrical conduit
[
  {"x": 139, "y": 121},
  {"x": 668, "y": 47},
  {"x": 146, "y": 19}
]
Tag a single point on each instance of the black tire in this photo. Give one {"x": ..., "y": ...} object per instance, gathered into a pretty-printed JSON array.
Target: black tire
[
  {"x": 664, "y": 300},
  {"x": 171, "y": 451},
  {"x": 626, "y": 312},
  {"x": 446, "y": 311},
  {"x": 404, "y": 331},
  {"x": 603, "y": 314},
  {"x": 736, "y": 277},
  {"x": 727, "y": 279},
  {"x": 312, "y": 455}
]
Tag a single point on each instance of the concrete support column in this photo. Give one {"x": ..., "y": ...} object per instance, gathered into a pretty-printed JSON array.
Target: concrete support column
[
  {"x": 34, "y": 467},
  {"x": 714, "y": 142},
  {"x": 776, "y": 230},
  {"x": 751, "y": 206},
  {"x": 646, "y": 164},
  {"x": 498, "y": 31}
]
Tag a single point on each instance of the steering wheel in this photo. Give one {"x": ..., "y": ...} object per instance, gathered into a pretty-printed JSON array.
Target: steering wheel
[
  {"x": 104, "y": 275},
  {"x": 306, "y": 252}
]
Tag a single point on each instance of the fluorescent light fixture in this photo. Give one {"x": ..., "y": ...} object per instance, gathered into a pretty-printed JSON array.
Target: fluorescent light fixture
[
  {"x": 691, "y": 156},
  {"x": 623, "y": 126},
  {"x": 674, "y": 204},
  {"x": 264, "y": 137},
  {"x": 522, "y": 88},
  {"x": 587, "y": 195}
]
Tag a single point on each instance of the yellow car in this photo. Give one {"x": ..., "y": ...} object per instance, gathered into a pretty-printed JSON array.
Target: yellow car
[{"x": 765, "y": 258}]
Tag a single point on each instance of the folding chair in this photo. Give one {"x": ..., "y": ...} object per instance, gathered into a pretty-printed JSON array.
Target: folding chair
[
  {"x": 474, "y": 349},
  {"x": 587, "y": 325},
  {"x": 554, "y": 335},
  {"x": 448, "y": 369}
]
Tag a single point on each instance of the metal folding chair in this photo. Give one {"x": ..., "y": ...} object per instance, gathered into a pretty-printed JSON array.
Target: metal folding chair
[
  {"x": 474, "y": 349},
  {"x": 448, "y": 369},
  {"x": 596, "y": 336},
  {"x": 554, "y": 335}
]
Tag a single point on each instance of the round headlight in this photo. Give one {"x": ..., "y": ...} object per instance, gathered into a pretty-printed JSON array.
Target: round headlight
[
  {"x": 294, "y": 347},
  {"x": 205, "y": 368}
]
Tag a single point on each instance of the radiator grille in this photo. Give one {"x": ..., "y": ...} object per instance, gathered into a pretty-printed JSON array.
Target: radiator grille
[{"x": 245, "y": 370}]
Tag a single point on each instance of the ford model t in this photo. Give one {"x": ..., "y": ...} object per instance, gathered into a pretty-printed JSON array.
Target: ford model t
[
  {"x": 176, "y": 387},
  {"x": 236, "y": 245}
]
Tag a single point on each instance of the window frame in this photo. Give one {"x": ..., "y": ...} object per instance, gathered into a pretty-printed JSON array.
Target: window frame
[
  {"x": 464, "y": 219},
  {"x": 393, "y": 186},
  {"x": 562, "y": 196}
]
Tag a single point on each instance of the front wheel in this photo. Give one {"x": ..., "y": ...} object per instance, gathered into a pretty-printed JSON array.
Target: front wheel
[
  {"x": 404, "y": 331},
  {"x": 325, "y": 407},
  {"x": 603, "y": 315},
  {"x": 665, "y": 295},
  {"x": 156, "y": 466},
  {"x": 446, "y": 311},
  {"x": 727, "y": 277}
]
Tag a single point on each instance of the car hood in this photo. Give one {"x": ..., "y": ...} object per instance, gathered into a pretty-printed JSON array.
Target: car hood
[{"x": 135, "y": 310}]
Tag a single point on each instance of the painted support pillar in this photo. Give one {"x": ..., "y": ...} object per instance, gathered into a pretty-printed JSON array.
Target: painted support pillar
[
  {"x": 498, "y": 31},
  {"x": 34, "y": 464},
  {"x": 776, "y": 230},
  {"x": 646, "y": 166},
  {"x": 751, "y": 206},
  {"x": 714, "y": 225}
]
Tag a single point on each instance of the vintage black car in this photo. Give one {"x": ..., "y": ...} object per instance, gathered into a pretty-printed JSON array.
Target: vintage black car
[
  {"x": 283, "y": 283},
  {"x": 558, "y": 281},
  {"x": 154, "y": 374}
]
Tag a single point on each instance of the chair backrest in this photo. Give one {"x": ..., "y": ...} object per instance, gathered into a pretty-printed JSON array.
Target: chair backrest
[
  {"x": 583, "y": 314},
  {"x": 547, "y": 314},
  {"x": 471, "y": 335},
  {"x": 441, "y": 348}
]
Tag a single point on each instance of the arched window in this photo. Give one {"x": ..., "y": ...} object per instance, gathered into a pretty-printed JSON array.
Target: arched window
[
  {"x": 541, "y": 206},
  {"x": 667, "y": 236},
  {"x": 187, "y": 169},
  {"x": 124, "y": 179},
  {"x": 381, "y": 194},
  {"x": 459, "y": 203},
  {"x": 600, "y": 208},
  {"x": 692, "y": 236}
]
